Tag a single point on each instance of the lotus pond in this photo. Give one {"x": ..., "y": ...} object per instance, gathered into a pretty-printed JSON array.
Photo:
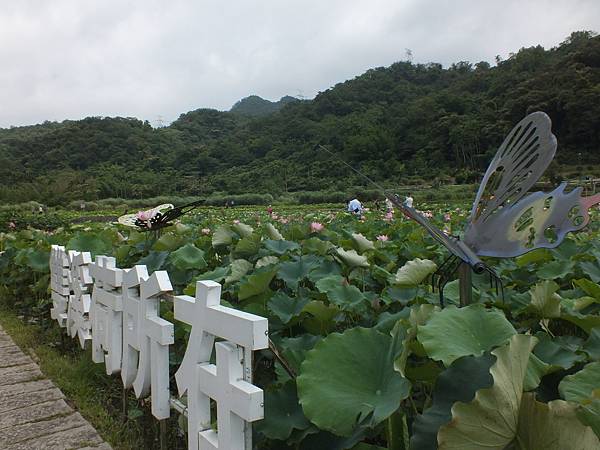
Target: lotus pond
[{"x": 371, "y": 359}]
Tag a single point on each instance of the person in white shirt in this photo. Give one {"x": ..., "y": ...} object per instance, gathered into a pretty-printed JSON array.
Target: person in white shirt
[
  {"x": 408, "y": 201},
  {"x": 355, "y": 207}
]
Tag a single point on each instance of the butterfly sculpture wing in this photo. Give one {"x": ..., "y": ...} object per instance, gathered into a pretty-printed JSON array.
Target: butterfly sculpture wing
[
  {"x": 139, "y": 220},
  {"x": 505, "y": 220}
]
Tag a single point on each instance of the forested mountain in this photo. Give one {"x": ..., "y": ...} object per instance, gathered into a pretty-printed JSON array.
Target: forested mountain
[
  {"x": 257, "y": 106},
  {"x": 397, "y": 124}
]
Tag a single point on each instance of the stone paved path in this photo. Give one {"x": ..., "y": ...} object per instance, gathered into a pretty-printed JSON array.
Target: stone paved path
[{"x": 33, "y": 412}]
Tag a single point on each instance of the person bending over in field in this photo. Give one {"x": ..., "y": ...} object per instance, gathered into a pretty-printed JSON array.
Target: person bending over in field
[{"x": 355, "y": 207}]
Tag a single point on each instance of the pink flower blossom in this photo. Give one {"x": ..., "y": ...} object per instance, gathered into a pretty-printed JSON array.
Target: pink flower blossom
[
  {"x": 11, "y": 225},
  {"x": 388, "y": 216},
  {"x": 447, "y": 217},
  {"x": 235, "y": 222},
  {"x": 145, "y": 215},
  {"x": 316, "y": 227},
  {"x": 206, "y": 231},
  {"x": 382, "y": 238},
  {"x": 283, "y": 220}
]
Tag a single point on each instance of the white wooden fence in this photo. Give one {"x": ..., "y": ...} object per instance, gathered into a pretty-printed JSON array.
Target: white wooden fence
[{"x": 118, "y": 312}]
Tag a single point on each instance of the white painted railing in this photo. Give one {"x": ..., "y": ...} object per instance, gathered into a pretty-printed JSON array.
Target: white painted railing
[{"x": 118, "y": 312}]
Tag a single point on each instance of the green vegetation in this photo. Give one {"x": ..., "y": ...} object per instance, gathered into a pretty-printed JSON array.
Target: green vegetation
[
  {"x": 256, "y": 106},
  {"x": 406, "y": 124},
  {"x": 371, "y": 360}
]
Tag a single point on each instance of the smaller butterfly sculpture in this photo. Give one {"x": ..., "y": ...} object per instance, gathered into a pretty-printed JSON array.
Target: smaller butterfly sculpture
[{"x": 157, "y": 218}]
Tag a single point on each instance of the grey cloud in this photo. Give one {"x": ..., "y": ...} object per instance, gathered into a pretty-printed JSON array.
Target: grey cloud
[{"x": 68, "y": 59}]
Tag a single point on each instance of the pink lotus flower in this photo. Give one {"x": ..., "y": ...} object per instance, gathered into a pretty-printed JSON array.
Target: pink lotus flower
[
  {"x": 235, "y": 222},
  {"x": 388, "y": 216},
  {"x": 383, "y": 238},
  {"x": 11, "y": 225},
  {"x": 447, "y": 217},
  {"x": 206, "y": 231},
  {"x": 316, "y": 227},
  {"x": 146, "y": 215}
]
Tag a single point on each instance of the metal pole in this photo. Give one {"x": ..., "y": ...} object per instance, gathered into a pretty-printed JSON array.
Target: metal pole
[
  {"x": 465, "y": 284},
  {"x": 163, "y": 434},
  {"x": 248, "y": 377},
  {"x": 124, "y": 403}
]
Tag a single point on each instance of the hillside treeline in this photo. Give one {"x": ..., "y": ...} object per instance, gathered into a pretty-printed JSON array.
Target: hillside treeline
[{"x": 400, "y": 124}]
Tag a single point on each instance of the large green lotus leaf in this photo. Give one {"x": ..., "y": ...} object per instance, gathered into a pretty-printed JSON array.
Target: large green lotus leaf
[
  {"x": 222, "y": 236},
  {"x": 168, "y": 242},
  {"x": 545, "y": 302},
  {"x": 330, "y": 282},
  {"x": 450, "y": 387},
  {"x": 589, "y": 287},
  {"x": 349, "y": 379},
  {"x": 257, "y": 283},
  {"x": 583, "y": 388},
  {"x": 321, "y": 319},
  {"x": 326, "y": 268},
  {"x": 361, "y": 243},
  {"x": 294, "y": 349},
  {"x": 280, "y": 247},
  {"x": 188, "y": 257},
  {"x": 589, "y": 414},
  {"x": 536, "y": 369},
  {"x": 266, "y": 261},
  {"x": 153, "y": 261},
  {"x": 283, "y": 413},
  {"x": 348, "y": 298},
  {"x": 414, "y": 272},
  {"x": 584, "y": 321},
  {"x": 535, "y": 256},
  {"x": 89, "y": 242},
  {"x": 419, "y": 315},
  {"x": 38, "y": 260},
  {"x": 556, "y": 351},
  {"x": 292, "y": 272},
  {"x": 490, "y": 421},
  {"x": 580, "y": 386},
  {"x": 214, "y": 275},
  {"x": 323, "y": 440},
  {"x": 455, "y": 332},
  {"x": 592, "y": 345},
  {"x": 247, "y": 247},
  {"x": 351, "y": 258},
  {"x": 317, "y": 246},
  {"x": 243, "y": 230},
  {"x": 273, "y": 232},
  {"x": 555, "y": 269},
  {"x": 286, "y": 307},
  {"x": 552, "y": 426},
  {"x": 591, "y": 269},
  {"x": 239, "y": 268}
]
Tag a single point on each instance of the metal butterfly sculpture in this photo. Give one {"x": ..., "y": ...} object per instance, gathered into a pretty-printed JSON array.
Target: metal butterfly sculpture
[
  {"x": 505, "y": 220},
  {"x": 157, "y": 218}
]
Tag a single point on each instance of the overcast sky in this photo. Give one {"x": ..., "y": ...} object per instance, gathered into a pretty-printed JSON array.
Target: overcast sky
[{"x": 68, "y": 59}]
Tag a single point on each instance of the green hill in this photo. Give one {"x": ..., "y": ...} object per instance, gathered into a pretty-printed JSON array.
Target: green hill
[
  {"x": 257, "y": 106},
  {"x": 398, "y": 124}
]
